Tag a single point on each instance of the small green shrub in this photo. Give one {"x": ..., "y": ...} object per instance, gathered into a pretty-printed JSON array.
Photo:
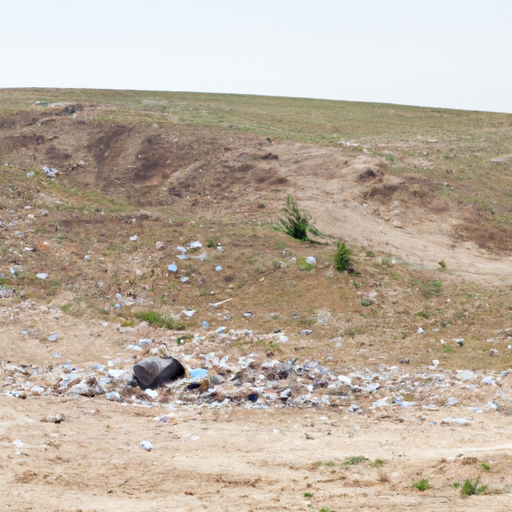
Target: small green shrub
[
  {"x": 342, "y": 257},
  {"x": 377, "y": 463},
  {"x": 158, "y": 320},
  {"x": 422, "y": 485},
  {"x": 469, "y": 488},
  {"x": 485, "y": 466},
  {"x": 423, "y": 315},
  {"x": 442, "y": 264},
  {"x": 370, "y": 254},
  {"x": 296, "y": 222},
  {"x": 309, "y": 494}
]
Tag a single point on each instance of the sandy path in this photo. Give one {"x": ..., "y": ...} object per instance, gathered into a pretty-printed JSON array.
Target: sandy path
[{"x": 236, "y": 459}]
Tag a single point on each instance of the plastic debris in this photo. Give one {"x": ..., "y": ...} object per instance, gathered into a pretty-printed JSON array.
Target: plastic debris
[
  {"x": 311, "y": 260},
  {"x": 205, "y": 324},
  {"x": 50, "y": 172},
  {"x": 189, "y": 312},
  {"x": 160, "y": 246},
  {"x": 42, "y": 275},
  {"x": 146, "y": 445},
  {"x": 134, "y": 238},
  {"x": 172, "y": 268},
  {"x": 195, "y": 245},
  {"x": 420, "y": 330},
  {"x": 218, "y": 268},
  {"x": 52, "y": 337}
]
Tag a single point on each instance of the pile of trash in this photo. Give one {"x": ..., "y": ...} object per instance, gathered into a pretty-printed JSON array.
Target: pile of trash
[{"x": 260, "y": 381}]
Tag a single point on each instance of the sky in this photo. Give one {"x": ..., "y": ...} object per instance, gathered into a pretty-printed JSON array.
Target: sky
[{"x": 437, "y": 53}]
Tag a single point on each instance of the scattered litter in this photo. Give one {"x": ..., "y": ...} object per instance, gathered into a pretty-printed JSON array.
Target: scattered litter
[
  {"x": 189, "y": 312},
  {"x": 218, "y": 268},
  {"x": 420, "y": 330},
  {"x": 52, "y": 337},
  {"x": 248, "y": 314},
  {"x": 42, "y": 275},
  {"x": 134, "y": 238},
  {"x": 54, "y": 418},
  {"x": 195, "y": 245},
  {"x": 306, "y": 332},
  {"x": 217, "y": 304},
  {"x": 50, "y": 172},
  {"x": 6, "y": 293},
  {"x": 220, "y": 330},
  {"x": 206, "y": 325},
  {"x": 146, "y": 445},
  {"x": 160, "y": 246},
  {"x": 459, "y": 421},
  {"x": 18, "y": 443},
  {"x": 172, "y": 268},
  {"x": 184, "y": 279},
  {"x": 311, "y": 260}
]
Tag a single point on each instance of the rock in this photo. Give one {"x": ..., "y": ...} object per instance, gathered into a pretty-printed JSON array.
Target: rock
[
  {"x": 405, "y": 361},
  {"x": 153, "y": 372}
]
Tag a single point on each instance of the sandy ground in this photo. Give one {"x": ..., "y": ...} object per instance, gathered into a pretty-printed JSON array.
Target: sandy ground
[{"x": 239, "y": 459}]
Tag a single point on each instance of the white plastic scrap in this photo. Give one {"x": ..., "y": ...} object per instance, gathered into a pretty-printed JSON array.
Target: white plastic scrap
[{"x": 146, "y": 445}]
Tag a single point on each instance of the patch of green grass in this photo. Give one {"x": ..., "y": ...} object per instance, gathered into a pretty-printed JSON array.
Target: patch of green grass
[
  {"x": 455, "y": 485},
  {"x": 377, "y": 463},
  {"x": 429, "y": 288},
  {"x": 370, "y": 254},
  {"x": 351, "y": 333},
  {"x": 422, "y": 485},
  {"x": 470, "y": 488},
  {"x": 422, "y": 314},
  {"x": 442, "y": 264},
  {"x": 128, "y": 323},
  {"x": 354, "y": 461},
  {"x": 447, "y": 349},
  {"x": 328, "y": 464},
  {"x": 158, "y": 320},
  {"x": 304, "y": 265},
  {"x": 309, "y": 494},
  {"x": 486, "y": 467}
]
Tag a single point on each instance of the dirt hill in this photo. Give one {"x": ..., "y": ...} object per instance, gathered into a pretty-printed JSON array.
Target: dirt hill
[{"x": 100, "y": 191}]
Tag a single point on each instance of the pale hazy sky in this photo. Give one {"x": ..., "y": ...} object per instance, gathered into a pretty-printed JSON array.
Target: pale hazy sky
[{"x": 441, "y": 53}]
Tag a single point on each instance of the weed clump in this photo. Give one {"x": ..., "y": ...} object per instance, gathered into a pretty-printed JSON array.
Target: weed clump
[
  {"x": 354, "y": 461},
  {"x": 469, "y": 488},
  {"x": 422, "y": 485},
  {"x": 158, "y": 320}
]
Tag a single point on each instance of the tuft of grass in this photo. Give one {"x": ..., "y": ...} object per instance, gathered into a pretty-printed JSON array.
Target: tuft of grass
[
  {"x": 485, "y": 466},
  {"x": 328, "y": 464},
  {"x": 447, "y": 349},
  {"x": 470, "y": 488},
  {"x": 377, "y": 463},
  {"x": 422, "y": 314},
  {"x": 158, "y": 320},
  {"x": 442, "y": 264},
  {"x": 422, "y": 485},
  {"x": 354, "y": 461},
  {"x": 309, "y": 494},
  {"x": 370, "y": 254},
  {"x": 128, "y": 323}
]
